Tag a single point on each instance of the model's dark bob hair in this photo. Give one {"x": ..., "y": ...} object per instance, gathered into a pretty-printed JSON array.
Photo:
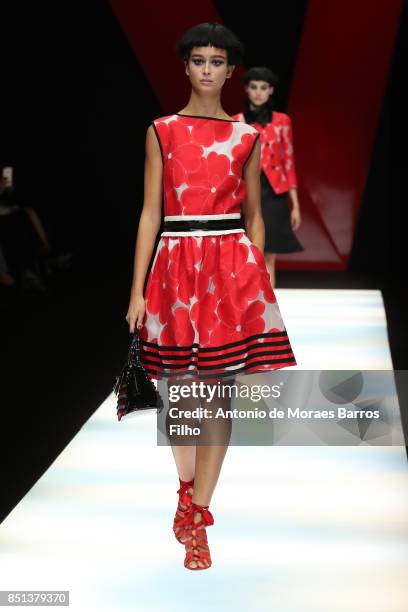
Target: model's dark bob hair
[
  {"x": 260, "y": 73},
  {"x": 214, "y": 34}
]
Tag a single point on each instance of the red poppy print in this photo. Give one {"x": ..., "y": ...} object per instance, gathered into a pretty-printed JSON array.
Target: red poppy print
[
  {"x": 277, "y": 152},
  {"x": 211, "y": 187},
  {"x": 206, "y": 133},
  {"x": 178, "y": 329},
  {"x": 235, "y": 324},
  {"x": 209, "y": 301}
]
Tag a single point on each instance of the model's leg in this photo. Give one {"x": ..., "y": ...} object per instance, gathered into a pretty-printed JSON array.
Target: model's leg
[
  {"x": 39, "y": 228},
  {"x": 270, "y": 260},
  {"x": 184, "y": 457},
  {"x": 183, "y": 447},
  {"x": 212, "y": 443},
  {"x": 211, "y": 449}
]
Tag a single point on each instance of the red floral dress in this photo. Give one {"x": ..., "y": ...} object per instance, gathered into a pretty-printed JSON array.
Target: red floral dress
[{"x": 210, "y": 308}]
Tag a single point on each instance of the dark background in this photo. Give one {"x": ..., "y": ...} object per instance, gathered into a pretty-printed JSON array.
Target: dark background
[{"x": 75, "y": 106}]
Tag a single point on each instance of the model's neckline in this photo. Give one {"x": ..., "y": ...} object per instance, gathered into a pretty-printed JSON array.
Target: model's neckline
[{"x": 205, "y": 117}]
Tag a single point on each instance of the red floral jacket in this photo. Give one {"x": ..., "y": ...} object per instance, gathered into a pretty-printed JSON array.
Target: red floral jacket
[{"x": 277, "y": 159}]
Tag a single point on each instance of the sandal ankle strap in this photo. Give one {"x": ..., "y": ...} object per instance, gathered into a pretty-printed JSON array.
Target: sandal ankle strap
[
  {"x": 185, "y": 498},
  {"x": 207, "y": 517}
]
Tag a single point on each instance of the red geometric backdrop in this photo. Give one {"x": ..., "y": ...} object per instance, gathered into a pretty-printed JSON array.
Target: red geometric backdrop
[{"x": 335, "y": 101}]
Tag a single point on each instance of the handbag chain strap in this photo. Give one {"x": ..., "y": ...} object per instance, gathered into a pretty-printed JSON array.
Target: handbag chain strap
[{"x": 134, "y": 356}]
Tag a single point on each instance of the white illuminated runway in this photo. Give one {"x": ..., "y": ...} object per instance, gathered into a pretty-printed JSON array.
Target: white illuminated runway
[{"x": 307, "y": 528}]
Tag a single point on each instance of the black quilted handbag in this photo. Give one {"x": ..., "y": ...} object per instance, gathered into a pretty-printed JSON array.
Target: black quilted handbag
[{"x": 133, "y": 387}]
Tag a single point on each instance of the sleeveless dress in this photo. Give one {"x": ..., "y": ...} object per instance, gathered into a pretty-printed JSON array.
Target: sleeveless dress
[{"x": 211, "y": 311}]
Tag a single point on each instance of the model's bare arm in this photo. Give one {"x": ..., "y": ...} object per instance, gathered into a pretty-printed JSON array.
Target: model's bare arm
[
  {"x": 254, "y": 222},
  {"x": 149, "y": 225},
  {"x": 295, "y": 217}
]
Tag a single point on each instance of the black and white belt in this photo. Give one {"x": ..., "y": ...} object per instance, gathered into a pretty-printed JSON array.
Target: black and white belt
[{"x": 199, "y": 225}]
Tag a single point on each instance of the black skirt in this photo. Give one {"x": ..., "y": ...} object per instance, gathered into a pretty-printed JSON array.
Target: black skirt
[{"x": 279, "y": 235}]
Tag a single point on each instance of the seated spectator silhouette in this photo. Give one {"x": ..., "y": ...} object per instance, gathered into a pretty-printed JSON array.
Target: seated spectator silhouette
[{"x": 27, "y": 255}]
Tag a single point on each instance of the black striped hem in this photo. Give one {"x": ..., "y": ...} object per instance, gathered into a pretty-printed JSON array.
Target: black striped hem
[
  {"x": 276, "y": 353},
  {"x": 247, "y": 368},
  {"x": 224, "y": 363},
  {"x": 220, "y": 347},
  {"x": 260, "y": 345}
]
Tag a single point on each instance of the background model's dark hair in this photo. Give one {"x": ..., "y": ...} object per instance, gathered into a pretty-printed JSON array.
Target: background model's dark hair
[
  {"x": 214, "y": 34},
  {"x": 260, "y": 73}
]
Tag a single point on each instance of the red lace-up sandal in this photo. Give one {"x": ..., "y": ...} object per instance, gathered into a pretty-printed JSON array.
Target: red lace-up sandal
[
  {"x": 197, "y": 550},
  {"x": 183, "y": 507}
]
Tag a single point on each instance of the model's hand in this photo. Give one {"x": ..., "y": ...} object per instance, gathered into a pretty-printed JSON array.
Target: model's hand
[
  {"x": 295, "y": 218},
  {"x": 136, "y": 312}
]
